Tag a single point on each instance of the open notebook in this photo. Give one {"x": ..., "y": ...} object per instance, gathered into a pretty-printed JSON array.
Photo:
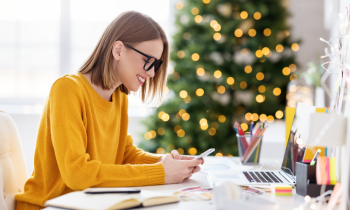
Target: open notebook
[{"x": 81, "y": 200}]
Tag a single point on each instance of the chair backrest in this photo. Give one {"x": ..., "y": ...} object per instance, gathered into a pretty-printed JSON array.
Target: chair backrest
[{"x": 12, "y": 163}]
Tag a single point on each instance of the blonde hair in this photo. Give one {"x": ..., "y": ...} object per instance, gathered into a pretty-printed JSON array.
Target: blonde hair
[{"x": 129, "y": 27}]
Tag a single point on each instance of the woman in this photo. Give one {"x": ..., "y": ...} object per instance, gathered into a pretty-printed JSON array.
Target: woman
[{"x": 82, "y": 139}]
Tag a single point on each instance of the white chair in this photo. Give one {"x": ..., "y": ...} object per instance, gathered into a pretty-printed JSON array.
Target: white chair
[{"x": 12, "y": 164}]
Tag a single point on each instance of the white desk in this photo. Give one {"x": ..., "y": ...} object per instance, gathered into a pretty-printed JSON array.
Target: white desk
[{"x": 200, "y": 179}]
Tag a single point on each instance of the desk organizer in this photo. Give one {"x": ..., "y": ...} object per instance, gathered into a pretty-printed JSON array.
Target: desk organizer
[
  {"x": 306, "y": 180},
  {"x": 249, "y": 148}
]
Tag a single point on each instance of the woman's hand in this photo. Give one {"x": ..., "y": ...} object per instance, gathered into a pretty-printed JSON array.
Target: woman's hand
[
  {"x": 175, "y": 154},
  {"x": 177, "y": 170}
]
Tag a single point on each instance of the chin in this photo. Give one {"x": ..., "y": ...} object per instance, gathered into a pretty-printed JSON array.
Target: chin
[{"x": 133, "y": 88}]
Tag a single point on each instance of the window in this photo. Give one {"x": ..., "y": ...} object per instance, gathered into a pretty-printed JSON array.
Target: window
[{"x": 41, "y": 40}]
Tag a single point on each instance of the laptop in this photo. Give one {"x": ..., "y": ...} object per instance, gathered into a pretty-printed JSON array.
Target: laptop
[{"x": 286, "y": 174}]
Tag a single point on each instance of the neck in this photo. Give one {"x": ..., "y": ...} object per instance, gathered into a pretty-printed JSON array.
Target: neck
[{"x": 106, "y": 94}]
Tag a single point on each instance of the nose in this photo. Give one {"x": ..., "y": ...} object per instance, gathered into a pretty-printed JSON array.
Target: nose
[{"x": 151, "y": 72}]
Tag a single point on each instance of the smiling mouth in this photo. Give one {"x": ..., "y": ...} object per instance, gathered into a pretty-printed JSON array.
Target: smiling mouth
[{"x": 141, "y": 80}]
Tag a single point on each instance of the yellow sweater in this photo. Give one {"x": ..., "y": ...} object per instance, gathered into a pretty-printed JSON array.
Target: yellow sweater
[{"x": 82, "y": 142}]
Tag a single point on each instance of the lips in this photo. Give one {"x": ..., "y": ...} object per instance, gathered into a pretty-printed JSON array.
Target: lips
[{"x": 140, "y": 79}]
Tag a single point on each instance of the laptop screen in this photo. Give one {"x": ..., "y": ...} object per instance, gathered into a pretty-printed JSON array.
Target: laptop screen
[{"x": 297, "y": 140}]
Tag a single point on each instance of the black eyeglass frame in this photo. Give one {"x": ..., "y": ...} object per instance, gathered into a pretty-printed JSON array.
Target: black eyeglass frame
[{"x": 156, "y": 61}]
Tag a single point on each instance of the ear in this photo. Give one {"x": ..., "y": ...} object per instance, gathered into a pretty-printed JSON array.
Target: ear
[{"x": 118, "y": 48}]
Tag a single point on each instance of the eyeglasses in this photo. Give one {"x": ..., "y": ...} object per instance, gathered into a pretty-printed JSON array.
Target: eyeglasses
[{"x": 151, "y": 61}]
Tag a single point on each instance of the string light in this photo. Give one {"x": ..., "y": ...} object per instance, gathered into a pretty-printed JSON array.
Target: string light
[
  {"x": 259, "y": 98},
  {"x": 243, "y": 85},
  {"x": 244, "y": 15},
  {"x": 177, "y": 127},
  {"x": 293, "y": 67},
  {"x": 262, "y": 89},
  {"x": 183, "y": 93},
  {"x": 180, "y": 151},
  {"x": 248, "y": 116},
  {"x": 217, "y": 36},
  {"x": 257, "y": 15},
  {"x": 217, "y": 74},
  {"x": 267, "y": 32},
  {"x": 198, "y": 19},
  {"x": 214, "y": 125},
  {"x": 179, "y": 5},
  {"x": 181, "y": 54},
  {"x": 295, "y": 47},
  {"x": 259, "y": 53},
  {"x": 147, "y": 135},
  {"x": 194, "y": 11},
  {"x": 200, "y": 72},
  {"x": 213, "y": 23},
  {"x": 244, "y": 126},
  {"x": 221, "y": 89},
  {"x": 244, "y": 51},
  {"x": 192, "y": 151},
  {"x": 160, "y": 150},
  {"x": 277, "y": 91},
  {"x": 153, "y": 134},
  {"x": 263, "y": 117},
  {"x": 252, "y": 32},
  {"x": 270, "y": 119},
  {"x": 199, "y": 92},
  {"x": 195, "y": 57},
  {"x": 266, "y": 51},
  {"x": 255, "y": 117},
  {"x": 279, "y": 48},
  {"x": 238, "y": 32},
  {"x": 212, "y": 131},
  {"x": 260, "y": 76},
  {"x": 161, "y": 131},
  {"x": 248, "y": 69},
  {"x": 186, "y": 116},
  {"x": 217, "y": 27},
  {"x": 286, "y": 71},
  {"x": 180, "y": 133},
  {"x": 222, "y": 118},
  {"x": 279, "y": 114},
  {"x": 165, "y": 117},
  {"x": 219, "y": 154},
  {"x": 206, "y": 1},
  {"x": 230, "y": 80},
  {"x": 160, "y": 114}
]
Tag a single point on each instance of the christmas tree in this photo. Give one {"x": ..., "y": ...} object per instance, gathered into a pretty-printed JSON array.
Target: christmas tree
[{"x": 232, "y": 61}]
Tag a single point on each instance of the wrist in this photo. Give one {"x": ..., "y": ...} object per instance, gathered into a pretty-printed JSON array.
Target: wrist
[{"x": 160, "y": 159}]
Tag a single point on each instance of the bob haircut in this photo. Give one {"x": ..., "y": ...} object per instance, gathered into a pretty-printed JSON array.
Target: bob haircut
[{"x": 129, "y": 27}]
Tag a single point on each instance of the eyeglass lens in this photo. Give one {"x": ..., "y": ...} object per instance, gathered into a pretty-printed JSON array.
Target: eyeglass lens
[{"x": 150, "y": 62}]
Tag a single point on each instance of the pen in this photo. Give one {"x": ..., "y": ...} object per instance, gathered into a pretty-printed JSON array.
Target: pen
[
  {"x": 251, "y": 128},
  {"x": 315, "y": 158}
]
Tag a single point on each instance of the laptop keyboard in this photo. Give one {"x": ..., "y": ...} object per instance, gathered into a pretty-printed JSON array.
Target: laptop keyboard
[{"x": 262, "y": 177}]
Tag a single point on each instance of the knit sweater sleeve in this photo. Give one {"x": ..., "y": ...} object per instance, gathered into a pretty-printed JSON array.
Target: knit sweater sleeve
[
  {"x": 134, "y": 155},
  {"x": 69, "y": 139}
]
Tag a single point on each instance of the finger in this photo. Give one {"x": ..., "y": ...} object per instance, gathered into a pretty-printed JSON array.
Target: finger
[
  {"x": 196, "y": 169},
  {"x": 202, "y": 161},
  {"x": 194, "y": 162},
  {"x": 186, "y": 157},
  {"x": 175, "y": 154},
  {"x": 190, "y": 169}
]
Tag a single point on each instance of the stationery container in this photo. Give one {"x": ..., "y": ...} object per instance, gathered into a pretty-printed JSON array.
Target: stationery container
[
  {"x": 249, "y": 147},
  {"x": 306, "y": 180}
]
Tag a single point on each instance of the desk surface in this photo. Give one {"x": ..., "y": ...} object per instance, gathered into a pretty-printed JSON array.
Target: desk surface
[{"x": 200, "y": 179}]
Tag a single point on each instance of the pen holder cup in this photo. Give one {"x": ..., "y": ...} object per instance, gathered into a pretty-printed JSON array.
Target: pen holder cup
[
  {"x": 249, "y": 148},
  {"x": 306, "y": 180}
]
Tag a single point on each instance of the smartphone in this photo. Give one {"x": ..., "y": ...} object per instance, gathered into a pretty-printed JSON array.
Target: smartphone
[
  {"x": 204, "y": 154},
  {"x": 110, "y": 190}
]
